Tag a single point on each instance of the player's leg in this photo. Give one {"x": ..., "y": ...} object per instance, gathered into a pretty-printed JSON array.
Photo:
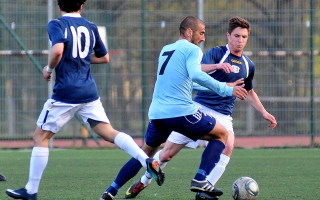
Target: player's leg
[
  {"x": 153, "y": 139},
  {"x": 128, "y": 171},
  {"x": 94, "y": 114},
  {"x": 173, "y": 145},
  {"x": 219, "y": 169},
  {"x": 162, "y": 156},
  {"x": 122, "y": 140},
  {"x": 38, "y": 162},
  {"x": 210, "y": 157},
  {"x": 49, "y": 122}
]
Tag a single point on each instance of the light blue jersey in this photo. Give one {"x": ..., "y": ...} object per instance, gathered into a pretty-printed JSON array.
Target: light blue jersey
[{"x": 179, "y": 65}]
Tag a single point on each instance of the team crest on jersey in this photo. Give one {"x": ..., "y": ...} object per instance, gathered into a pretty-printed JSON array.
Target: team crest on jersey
[{"x": 236, "y": 69}]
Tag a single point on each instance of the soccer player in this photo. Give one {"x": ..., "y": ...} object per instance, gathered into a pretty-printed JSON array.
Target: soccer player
[
  {"x": 172, "y": 108},
  {"x": 76, "y": 44},
  {"x": 214, "y": 105}
]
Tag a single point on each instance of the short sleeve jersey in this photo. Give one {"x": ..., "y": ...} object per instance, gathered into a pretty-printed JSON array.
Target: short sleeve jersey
[
  {"x": 74, "y": 82},
  {"x": 179, "y": 65},
  {"x": 172, "y": 96},
  {"x": 243, "y": 68}
]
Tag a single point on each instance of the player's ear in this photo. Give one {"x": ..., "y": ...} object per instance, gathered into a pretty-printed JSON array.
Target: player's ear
[{"x": 189, "y": 32}]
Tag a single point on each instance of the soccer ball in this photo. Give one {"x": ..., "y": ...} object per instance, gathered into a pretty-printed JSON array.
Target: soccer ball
[{"x": 245, "y": 188}]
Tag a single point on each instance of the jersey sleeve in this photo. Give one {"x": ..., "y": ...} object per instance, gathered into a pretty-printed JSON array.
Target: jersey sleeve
[
  {"x": 203, "y": 79},
  {"x": 99, "y": 47},
  {"x": 56, "y": 32},
  {"x": 211, "y": 56},
  {"x": 249, "y": 80}
]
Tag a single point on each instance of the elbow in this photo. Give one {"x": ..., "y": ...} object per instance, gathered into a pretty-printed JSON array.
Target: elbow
[{"x": 106, "y": 58}]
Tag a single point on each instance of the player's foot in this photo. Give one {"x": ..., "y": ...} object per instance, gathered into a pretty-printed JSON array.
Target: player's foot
[
  {"x": 205, "y": 196},
  {"x": 204, "y": 186},
  {"x": 154, "y": 169},
  {"x": 107, "y": 196},
  {"x": 21, "y": 194},
  {"x": 2, "y": 177},
  {"x": 134, "y": 190}
]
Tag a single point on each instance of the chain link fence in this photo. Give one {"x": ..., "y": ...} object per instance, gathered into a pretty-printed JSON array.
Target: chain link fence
[{"x": 283, "y": 44}]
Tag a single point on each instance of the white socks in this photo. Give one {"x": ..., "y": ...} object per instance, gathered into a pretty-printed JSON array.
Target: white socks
[
  {"x": 218, "y": 170},
  {"x": 38, "y": 162},
  {"x": 127, "y": 144},
  {"x": 147, "y": 178}
]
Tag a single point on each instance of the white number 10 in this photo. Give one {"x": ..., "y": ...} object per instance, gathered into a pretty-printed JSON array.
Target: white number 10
[{"x": 76, "y": 35}]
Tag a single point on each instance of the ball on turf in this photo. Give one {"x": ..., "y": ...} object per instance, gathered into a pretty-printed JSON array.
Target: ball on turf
[{"x": 245, "y": 188}]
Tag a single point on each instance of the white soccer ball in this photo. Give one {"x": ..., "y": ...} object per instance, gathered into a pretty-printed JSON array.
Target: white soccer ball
[{"x": 245, "y": 188}]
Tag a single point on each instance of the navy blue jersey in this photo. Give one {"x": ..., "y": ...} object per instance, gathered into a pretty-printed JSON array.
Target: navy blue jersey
[
  {"x": 74, "y": 83},
  {"x": 243, "y": 68}
]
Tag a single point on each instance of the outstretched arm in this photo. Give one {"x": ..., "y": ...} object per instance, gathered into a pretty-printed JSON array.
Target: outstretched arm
[
  {"x": 226, "y": 67},
  {"x": 255, "y": 102}
]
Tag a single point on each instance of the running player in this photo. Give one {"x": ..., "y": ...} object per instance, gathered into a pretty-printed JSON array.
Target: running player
[
  {"x": 75, "y": 44},
  {"x": 172, "y": 108},
  {"x": 214, "y": 105}
]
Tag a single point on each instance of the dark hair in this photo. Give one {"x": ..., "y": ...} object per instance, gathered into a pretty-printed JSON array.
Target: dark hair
[
  {"x": 236, "y": 22},
  {"x": 189, "y": 22},
  {"x": 70, "y": 5}
]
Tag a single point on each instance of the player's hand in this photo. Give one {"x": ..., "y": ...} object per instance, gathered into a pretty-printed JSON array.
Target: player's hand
[
  {"x": 237, "y": 82},
  {"x": 226, "y": 67},
  {"x": 240, "y": 92},
  {"x": 271, "y": 119},
  {"x": 46, "y": 74}
]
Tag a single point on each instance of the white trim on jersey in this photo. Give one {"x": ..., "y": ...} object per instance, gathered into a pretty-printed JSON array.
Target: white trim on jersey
[
  {"x": 225, "y": 57},
  {"x": 94, "y": 39},
  {"x": 247, "y": 65}
]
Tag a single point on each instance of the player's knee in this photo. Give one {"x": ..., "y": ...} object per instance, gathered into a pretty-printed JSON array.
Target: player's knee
[
  {"x": 228, "y": 149},
  {"x": 165, "y": 156}
]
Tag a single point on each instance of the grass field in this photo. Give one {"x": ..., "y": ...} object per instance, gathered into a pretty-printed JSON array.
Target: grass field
[{"x": 288, "y": 174}]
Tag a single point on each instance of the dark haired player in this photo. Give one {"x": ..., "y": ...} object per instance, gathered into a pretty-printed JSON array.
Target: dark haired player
[
  {"x": 76, "y": 44},
  {"x": 172, "y": 108}
]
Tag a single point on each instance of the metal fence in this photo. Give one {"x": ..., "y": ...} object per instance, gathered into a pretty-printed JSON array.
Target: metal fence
[{"x": 284, "y": 45}]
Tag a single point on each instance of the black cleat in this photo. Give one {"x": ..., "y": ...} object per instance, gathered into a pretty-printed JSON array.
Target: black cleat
[
  {"x": 134, "y": 190},
  {"x": 205, "y": 196},
  {"x": 154, "y": 169},
  {"x": 2, "y": 177},
  {"x": 21, "y": 194},
  {"x": 204, "y": 186},
  {"x": 107, "y": 196}
]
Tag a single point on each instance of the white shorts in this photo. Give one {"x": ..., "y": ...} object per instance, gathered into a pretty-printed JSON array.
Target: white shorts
[
  {"x": 56, "y": 114},
  {"x": 224, "y": 120}
]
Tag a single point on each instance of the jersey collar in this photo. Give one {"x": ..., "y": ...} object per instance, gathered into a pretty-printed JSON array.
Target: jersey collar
[{"x": 71, "y": 15}]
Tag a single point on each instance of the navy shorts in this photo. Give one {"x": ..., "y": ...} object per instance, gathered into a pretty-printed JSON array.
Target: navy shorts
[{"x": 193, "y": 126}]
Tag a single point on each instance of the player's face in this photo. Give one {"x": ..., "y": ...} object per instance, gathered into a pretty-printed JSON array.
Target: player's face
[
  {"x": 198, "y": 35},
  {"x": 238, "y": 39}
]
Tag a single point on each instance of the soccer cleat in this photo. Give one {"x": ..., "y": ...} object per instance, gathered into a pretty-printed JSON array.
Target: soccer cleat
[
  {"x": 134, "y": 190},
  {"x": 21, "y": 194},
  {"x": 107, "y": 196},
  {"x": 153, "y": 167},
  {"x": 2, "y": 177},
  {"x": 204, "y": 186},
  {"x": 205, "y": 196}
]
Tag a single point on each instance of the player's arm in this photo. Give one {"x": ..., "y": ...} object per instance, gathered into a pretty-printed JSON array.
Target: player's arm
[
  {"x": 100, "y": 60},
  {"x": 255, "y": 102},
  {"x": 198, "y": 87},
  {"x": 55, "y": 57},
  {"x": 226, "y": 67}
]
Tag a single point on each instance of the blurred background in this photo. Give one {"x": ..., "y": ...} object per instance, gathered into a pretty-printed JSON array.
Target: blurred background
[{"x": 284, "y": 45}]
